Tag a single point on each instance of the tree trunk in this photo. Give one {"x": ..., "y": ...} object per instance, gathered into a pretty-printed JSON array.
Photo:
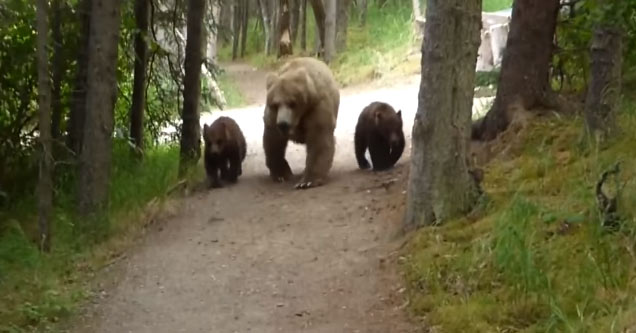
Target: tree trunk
[
  {"x": 363, "y": 11},
  {"x": 295, "y": 19},
  {"x": 264, "y": 9},
  {"x": 45, "y": 180},
  {"x": 303, "y": 25},
  {"x": 525, "y": 66},
  {"x": 245, "y": 16},
  {"x": 190, "y": 128},
  {"x": 142, "y": 16},
  {"x": 236, "y": 28},
  {"x": 330, "y": 30},
  {"x": 440, "y": 185},
  {"x": 417, "y": 13},
  {"x": 604, "y": 91},
  {"x": 78, "y": 107},
  {"x": 320, "y": 16},
  {"x": 275, "y": 17},
  {"x": 342, "y": 22},
  {"x": 226, "y": 26},
  {"x": 285, "y": 43},
  {"x": 58, "y": 70},
  {"x": 101, "y": 95}
]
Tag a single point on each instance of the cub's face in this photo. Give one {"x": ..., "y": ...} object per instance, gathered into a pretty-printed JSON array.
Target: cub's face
[
  {"x": 289, "y": 97},
  {"x": 215, "y": 138},
  {"x": 390, "y": 127}
]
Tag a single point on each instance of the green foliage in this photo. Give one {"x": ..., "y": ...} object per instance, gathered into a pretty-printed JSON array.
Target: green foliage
[
  {"x": 539, "y": 260},
  {"x": 37, "y": 289},
  {"x": 495, "y": 5}
]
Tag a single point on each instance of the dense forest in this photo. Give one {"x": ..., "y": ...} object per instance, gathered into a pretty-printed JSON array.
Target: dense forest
[{"x": 100, "y": 106}]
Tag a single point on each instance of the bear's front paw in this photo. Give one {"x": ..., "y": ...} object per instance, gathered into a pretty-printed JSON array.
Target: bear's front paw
[
  {"x": 214, "y": 184},
  {"x": 306, "y": 184},
  {"x": 364, "y": 165}
]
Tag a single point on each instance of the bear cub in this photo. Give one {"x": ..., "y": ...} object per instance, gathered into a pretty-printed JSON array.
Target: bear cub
[
  {"x": 225, "y": 150},
  {"x": 379, "y": 129}
]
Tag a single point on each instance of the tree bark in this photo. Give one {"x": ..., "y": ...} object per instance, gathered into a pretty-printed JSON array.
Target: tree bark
[
  {"x": 58, "y": 69},
  {"x": 525, "y": 66},
  {"x": 101, "y": 95},
  {"x": 295, "y": 19},
  {"x": 330, "y": 30},
  {"x": 303, "y": 25},
  {"x": 604, "y": 91},
  {"x": 45, "y": 180},
  {"x": 78, "y": 107},
  {"x": 244, "y": 23},
  {"x": 320, "y": 16},
  {"x": 440, "y": 185},
  {"x": 137, "y": 109},
  {"x": 236, "y": 28},
  {"x": 417, "y": 13},
  {"x": 190, "y": 128},
  {"x": 226, "y": 27},
  {"x": 262, "y": 5},
  {"x": 342, "y": 23},
  {"x": 285, "y": 44},
  {"x": 275, "y": 17}
]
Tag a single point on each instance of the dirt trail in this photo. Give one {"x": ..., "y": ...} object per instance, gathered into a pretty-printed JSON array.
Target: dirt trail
[{"x": 262, "y": 257}]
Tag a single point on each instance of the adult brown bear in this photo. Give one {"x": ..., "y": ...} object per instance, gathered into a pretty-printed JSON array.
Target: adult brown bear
[
  {"x": 302, "y": 106},
  {"x": 225, "y": 150},
  {"x": 379, "y": 129}
]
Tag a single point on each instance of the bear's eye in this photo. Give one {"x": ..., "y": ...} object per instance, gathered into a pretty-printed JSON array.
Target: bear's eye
[
  {"x": 292, "y": 105},
  {"x": 274, "y": 107}
]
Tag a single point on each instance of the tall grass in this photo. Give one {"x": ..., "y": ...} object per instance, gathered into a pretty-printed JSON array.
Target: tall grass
[
  {"x": 38, "y": 289},
  {"x": 539, "y": 261}
]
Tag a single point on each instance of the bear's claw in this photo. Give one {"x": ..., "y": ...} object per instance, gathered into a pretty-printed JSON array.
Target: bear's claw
[{"x": 304, "y": 185}]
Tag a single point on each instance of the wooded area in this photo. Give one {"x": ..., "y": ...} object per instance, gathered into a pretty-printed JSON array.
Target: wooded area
[{"x": 94, "y": 87}]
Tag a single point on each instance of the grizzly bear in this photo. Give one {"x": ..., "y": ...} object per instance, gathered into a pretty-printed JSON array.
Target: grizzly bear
[
  {"x": 379, "y": 129},
  {"x": 302, "y": 106},
  {"x": 225, "y": 150}
]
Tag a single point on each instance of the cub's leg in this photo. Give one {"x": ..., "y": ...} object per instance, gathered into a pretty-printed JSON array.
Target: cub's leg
[
  {"x": 212, "y": 170},
  {"x": 380, "y": 154},
  {"x": 360, "y": 142}
]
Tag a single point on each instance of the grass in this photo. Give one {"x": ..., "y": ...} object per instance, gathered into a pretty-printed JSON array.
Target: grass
[
  {"x": 37, "y": 290},
  {"x": 495, "y": 5},
  {"x": 233, "y": 96},
  {"x": 538, "y": 261}
]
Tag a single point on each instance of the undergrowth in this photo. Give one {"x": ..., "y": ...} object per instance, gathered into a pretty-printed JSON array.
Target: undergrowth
[
  {"x": 36, "y": 290},
  {"x": 539, "y": 260}
]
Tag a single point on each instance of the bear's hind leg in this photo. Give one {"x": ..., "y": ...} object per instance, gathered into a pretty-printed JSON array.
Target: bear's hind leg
[
  {"x": 275, "y": 145},
  {"x": 320, "y": 152}
]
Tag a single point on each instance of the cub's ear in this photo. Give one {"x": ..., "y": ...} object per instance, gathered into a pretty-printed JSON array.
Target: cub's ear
[
  {"x": 205, "y": 128},
  {"x": 270, "y": 80},
  {"x": 399, "y": 114}
]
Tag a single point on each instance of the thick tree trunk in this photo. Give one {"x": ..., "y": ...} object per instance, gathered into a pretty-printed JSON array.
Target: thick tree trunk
[
  {"x": 303, "y": 24},
  {"x": 525, "y": 66},
  {"x": 417, "y": 14},
  {"x": 190, "y": 128},
  {"x": 342, "y": 23},
  {"x": 78, "y": 106},
  {"x": 245, "y": 15},
  {"x": 142, "y": 16},
  {"x": 275, "y": 18},
  {"x": 295, "y": 19},
  {"x": 101, "y": 95},
  {"x": 318, "y": 8},
  {"x": 58, "y": 70},
  {"x": 264, "y": 9},
  {"x": 45, "y": 178},
  {"x": 604, "y": 91},
  {"x": 440, "y": 185},
  {"x": 236, "y": 28},
  {"x": 225, "y": 26},
  {"x": 330, "y": 29},
  {"x": 285, "y": 43}
]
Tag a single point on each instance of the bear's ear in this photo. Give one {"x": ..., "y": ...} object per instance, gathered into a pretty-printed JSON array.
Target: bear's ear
[
  {"x": 270, "y": 79},
  {"x": 205, "y": 128},
  {"x": 399, "y": 114}
]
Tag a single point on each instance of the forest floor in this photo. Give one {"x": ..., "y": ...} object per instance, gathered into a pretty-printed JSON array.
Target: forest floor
[{"x": 263, "y": 257}]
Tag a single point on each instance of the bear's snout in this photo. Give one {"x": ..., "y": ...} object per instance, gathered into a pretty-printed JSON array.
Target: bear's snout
[{"x": 283, "y": 127}]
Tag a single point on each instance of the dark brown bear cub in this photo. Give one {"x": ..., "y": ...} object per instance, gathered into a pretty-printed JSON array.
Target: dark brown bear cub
[
  {"x": 225, "y": 150},
  {"x": 379, "y": 129}
]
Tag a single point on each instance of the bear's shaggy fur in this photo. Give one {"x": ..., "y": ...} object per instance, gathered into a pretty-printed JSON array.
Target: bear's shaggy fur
[
  {"x": 379, "y": 129},
  {"x": 302, "y": 106},
  {"x": 225, "y": 150}
]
